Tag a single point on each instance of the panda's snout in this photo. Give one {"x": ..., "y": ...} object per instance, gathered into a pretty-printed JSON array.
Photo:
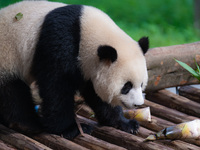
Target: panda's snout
[{"x": 132, "y": 99}]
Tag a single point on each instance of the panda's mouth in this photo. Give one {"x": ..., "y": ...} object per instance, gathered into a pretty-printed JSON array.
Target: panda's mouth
[
  {"x": 125, "y": 105},
  {"x": 128, "y": 107}
]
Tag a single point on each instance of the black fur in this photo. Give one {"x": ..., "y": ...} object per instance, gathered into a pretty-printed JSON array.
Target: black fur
[
  {"x": 127, "y": 87},
  {"x": 105, "y": 113},
  {"x": 55, "y": 66},
  {"x": 17, "y": 108},
  {"x": 107, "y": 53},
  {"x": 144, "y": 44}
]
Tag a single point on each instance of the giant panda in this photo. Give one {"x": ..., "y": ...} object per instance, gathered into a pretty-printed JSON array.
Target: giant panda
[{"x": 64, "y": 49}]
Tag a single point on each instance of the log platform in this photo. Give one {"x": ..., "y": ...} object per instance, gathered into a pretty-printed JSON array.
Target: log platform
[{"x": 166, "y": 108}]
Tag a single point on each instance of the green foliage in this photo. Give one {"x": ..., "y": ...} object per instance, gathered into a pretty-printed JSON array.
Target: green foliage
[
  {"x": 165, "y": 22},
  {"x": 195, "y": 73},
  {"x": 4, "y": 3}
]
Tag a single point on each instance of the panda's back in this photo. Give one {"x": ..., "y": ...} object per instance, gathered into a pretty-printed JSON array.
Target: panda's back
[{"x": 18, "y": 38}]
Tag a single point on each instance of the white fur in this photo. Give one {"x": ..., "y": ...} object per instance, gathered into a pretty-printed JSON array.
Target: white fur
[
  {"x": 108, "y": 78},
  {"x": 134, "y": 94},
  {"x": 18, "y": 38}
]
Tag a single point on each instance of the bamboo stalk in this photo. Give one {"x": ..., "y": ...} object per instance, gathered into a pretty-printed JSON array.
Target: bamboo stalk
[
  {"x": 176, "y": 144},
  {"x": 186, "y": 130},
  {"x": 158, "y": 124}
]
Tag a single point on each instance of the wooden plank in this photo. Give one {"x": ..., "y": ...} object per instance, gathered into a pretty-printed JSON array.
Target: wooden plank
[
  {"x": 79, "y": 143},
  {"x": 167, "y": 113},
  {"x": 20, "y": 141},
  {"x": 190, "y": 92},
  {"x": 126, "y": 140},
  {"x": 165, "y": 72},
  {"x": 171, "y": 100},
  {"x": 95, "y": 143},
  {"x": 121, "y": 138},
  {"x": 57, "y": 142},
  {"x": 156, "y": 124},
  {"x": 5, "y": 146}
]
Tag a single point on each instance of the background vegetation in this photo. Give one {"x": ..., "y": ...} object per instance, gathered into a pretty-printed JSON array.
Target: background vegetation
[{"x": 165, "y": 22}]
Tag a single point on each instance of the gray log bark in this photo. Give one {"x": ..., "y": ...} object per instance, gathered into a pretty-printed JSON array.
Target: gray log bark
[{"x": 165, "y": 72}]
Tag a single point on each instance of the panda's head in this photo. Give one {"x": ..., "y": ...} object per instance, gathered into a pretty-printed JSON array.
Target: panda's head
[{"x": 113, "y": 61}]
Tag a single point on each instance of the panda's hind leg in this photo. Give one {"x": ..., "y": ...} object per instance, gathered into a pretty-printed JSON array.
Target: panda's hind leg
[{"x": 17, "y": 108}]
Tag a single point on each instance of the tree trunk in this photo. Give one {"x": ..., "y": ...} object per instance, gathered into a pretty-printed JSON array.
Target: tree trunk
[{"x": 197, "y": 13}]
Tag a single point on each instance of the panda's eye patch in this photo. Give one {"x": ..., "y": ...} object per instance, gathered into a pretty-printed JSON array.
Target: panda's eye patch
[{"x": 127, "y": 87}]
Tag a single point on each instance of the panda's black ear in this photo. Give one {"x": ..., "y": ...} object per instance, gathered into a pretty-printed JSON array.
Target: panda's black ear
[
  {"x": 144, "y": 44},
  {"x": 107, "y": 53}
]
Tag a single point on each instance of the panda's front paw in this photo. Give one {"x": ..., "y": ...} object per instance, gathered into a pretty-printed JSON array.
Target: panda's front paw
[
  {"x": 86, "y": 128},
  {"x": 130, "y": 126}
]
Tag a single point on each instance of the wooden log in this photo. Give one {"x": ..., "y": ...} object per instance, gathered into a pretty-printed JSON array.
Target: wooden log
[
  {"x": 156, "y": 124},
  {"x": 95, "y": 144},
  {"x": 181, "y": 145},
  {"x": 5, "y": 146},
  {"x": 143, "y": 132},
  {"x": 57, "y": 142},
  {"x": 190, "y": 92},
  {"x": 167, "y": 113},
  {"x": 126, "y": 140},
  {"x": 20, "y": 141},
  {"x": 121, "y": 138},
  {"x": 165, "y": 72},
  {"x": 79, "y": 143},
  {"x": 174, "y": 101}
]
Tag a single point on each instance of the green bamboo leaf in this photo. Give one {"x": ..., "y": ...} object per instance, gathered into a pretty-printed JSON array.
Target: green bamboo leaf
[
  {"x": 188, "y": 68},
  {"x": 19, "y": 16},
  {"x": 198, "y": 68}
]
